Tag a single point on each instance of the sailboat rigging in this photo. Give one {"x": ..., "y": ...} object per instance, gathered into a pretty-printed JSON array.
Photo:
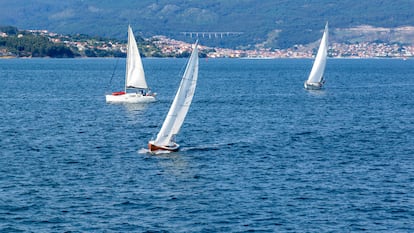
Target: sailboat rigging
[
  {"x": 136, "y": 89},
  {"x": 179, "y": 108},
  {"x": 316, "y": 77}
]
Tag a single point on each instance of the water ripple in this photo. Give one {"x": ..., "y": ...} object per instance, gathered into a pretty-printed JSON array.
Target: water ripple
[{"x": 258, "y": 152}]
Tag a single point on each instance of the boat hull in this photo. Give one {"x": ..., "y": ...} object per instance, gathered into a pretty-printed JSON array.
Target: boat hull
[
  {"x": 152, "y": 147},
  {"x": 129, "y": 98},
  {"x": 313, "y": 86}
]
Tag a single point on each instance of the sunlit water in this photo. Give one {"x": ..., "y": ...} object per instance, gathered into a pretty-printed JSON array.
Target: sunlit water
[{"x": 259, "y": 153}]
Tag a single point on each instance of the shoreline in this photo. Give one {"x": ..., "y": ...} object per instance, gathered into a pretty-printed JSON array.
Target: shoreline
[{"x": 243, "y": 58}]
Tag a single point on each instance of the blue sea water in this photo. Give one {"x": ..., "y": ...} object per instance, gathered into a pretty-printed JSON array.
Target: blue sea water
[{"x": 259, "y": 153}]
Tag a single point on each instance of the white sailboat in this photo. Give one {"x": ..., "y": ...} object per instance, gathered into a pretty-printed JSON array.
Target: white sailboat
[
  {"x": 316, "y": 80},
  {"x": 136, "y": 88},
  {"x": 166, "y": 137}
]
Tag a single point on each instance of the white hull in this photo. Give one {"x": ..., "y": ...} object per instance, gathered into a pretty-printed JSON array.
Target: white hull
[
  {"x": 130, "y": 98},
  {"x": 313, "y": 86}
]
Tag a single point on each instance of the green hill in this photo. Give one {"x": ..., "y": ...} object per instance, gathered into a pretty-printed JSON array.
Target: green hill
[{"x": 279, "y": 23}]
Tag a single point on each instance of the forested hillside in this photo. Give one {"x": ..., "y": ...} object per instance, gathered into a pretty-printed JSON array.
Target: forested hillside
[
  {"x": 278, "y": 23},
  {"x": 29, "y": 45}
]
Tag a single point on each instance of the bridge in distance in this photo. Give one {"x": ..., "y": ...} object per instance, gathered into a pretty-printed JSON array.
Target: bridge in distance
[{"x": 210, "y": 35}]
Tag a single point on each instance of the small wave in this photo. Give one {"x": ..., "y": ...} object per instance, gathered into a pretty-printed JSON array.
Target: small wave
[
  {"x": 201, "y": 148},
  {"x": 146, "y": 151},
  {"x": 304, "y": 133},
  {"x": 208, "y": 147},
  {"x": 125, "y": 203},
  {"x": 143, "y": 151},
  {"x": 160, "y": 152}
]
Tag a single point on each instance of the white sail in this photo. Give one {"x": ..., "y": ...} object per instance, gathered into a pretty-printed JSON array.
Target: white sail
[
  {"x": 181, "y": 103},
  {"x": 318, "y": 69},
  {"x": 135, "y": 76}
]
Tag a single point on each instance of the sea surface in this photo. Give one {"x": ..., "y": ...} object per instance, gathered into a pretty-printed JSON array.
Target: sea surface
[{"x": 259, "y": 153}]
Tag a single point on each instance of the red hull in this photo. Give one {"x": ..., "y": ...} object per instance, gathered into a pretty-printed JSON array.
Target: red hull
[{"x": 153, "y": 147}]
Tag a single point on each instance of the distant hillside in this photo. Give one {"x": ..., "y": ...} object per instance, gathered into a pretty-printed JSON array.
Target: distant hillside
[
  {"x": 273, "y": 23},
  {"x": 401, "y": 35},
  {"x": 41, "y": 43}
]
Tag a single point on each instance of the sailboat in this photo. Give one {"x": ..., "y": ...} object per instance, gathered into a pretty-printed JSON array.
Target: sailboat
[
  {"x": 165, "y": 140},
  {"x": 136, "y": 89},
  {"x": 316, "y": 77}
]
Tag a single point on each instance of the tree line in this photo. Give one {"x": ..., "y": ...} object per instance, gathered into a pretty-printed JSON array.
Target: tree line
[
  {"x": 33, "y": 44},
  {"x": 23, "y": 44}
]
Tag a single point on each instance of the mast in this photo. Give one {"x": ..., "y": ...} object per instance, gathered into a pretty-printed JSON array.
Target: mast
[{"x": 127, "y": 58}]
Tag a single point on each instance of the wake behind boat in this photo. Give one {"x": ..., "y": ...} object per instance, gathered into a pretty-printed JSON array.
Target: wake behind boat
[
  {"x": 136, "y": 88},
  {"x": 316, "y": 80},
  {"x": 165, "y": 140}
]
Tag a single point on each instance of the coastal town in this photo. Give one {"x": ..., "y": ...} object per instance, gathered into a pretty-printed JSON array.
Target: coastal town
[
  {"x": 162, "y": 46},
  {"x": 337, "y": 50}
]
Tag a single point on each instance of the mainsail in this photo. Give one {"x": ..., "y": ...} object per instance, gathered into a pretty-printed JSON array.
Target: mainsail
[
  {"x": 319, "y": 64},
  {"x": 135, "y": 76},
  {"x": 181, "y": 103}
]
